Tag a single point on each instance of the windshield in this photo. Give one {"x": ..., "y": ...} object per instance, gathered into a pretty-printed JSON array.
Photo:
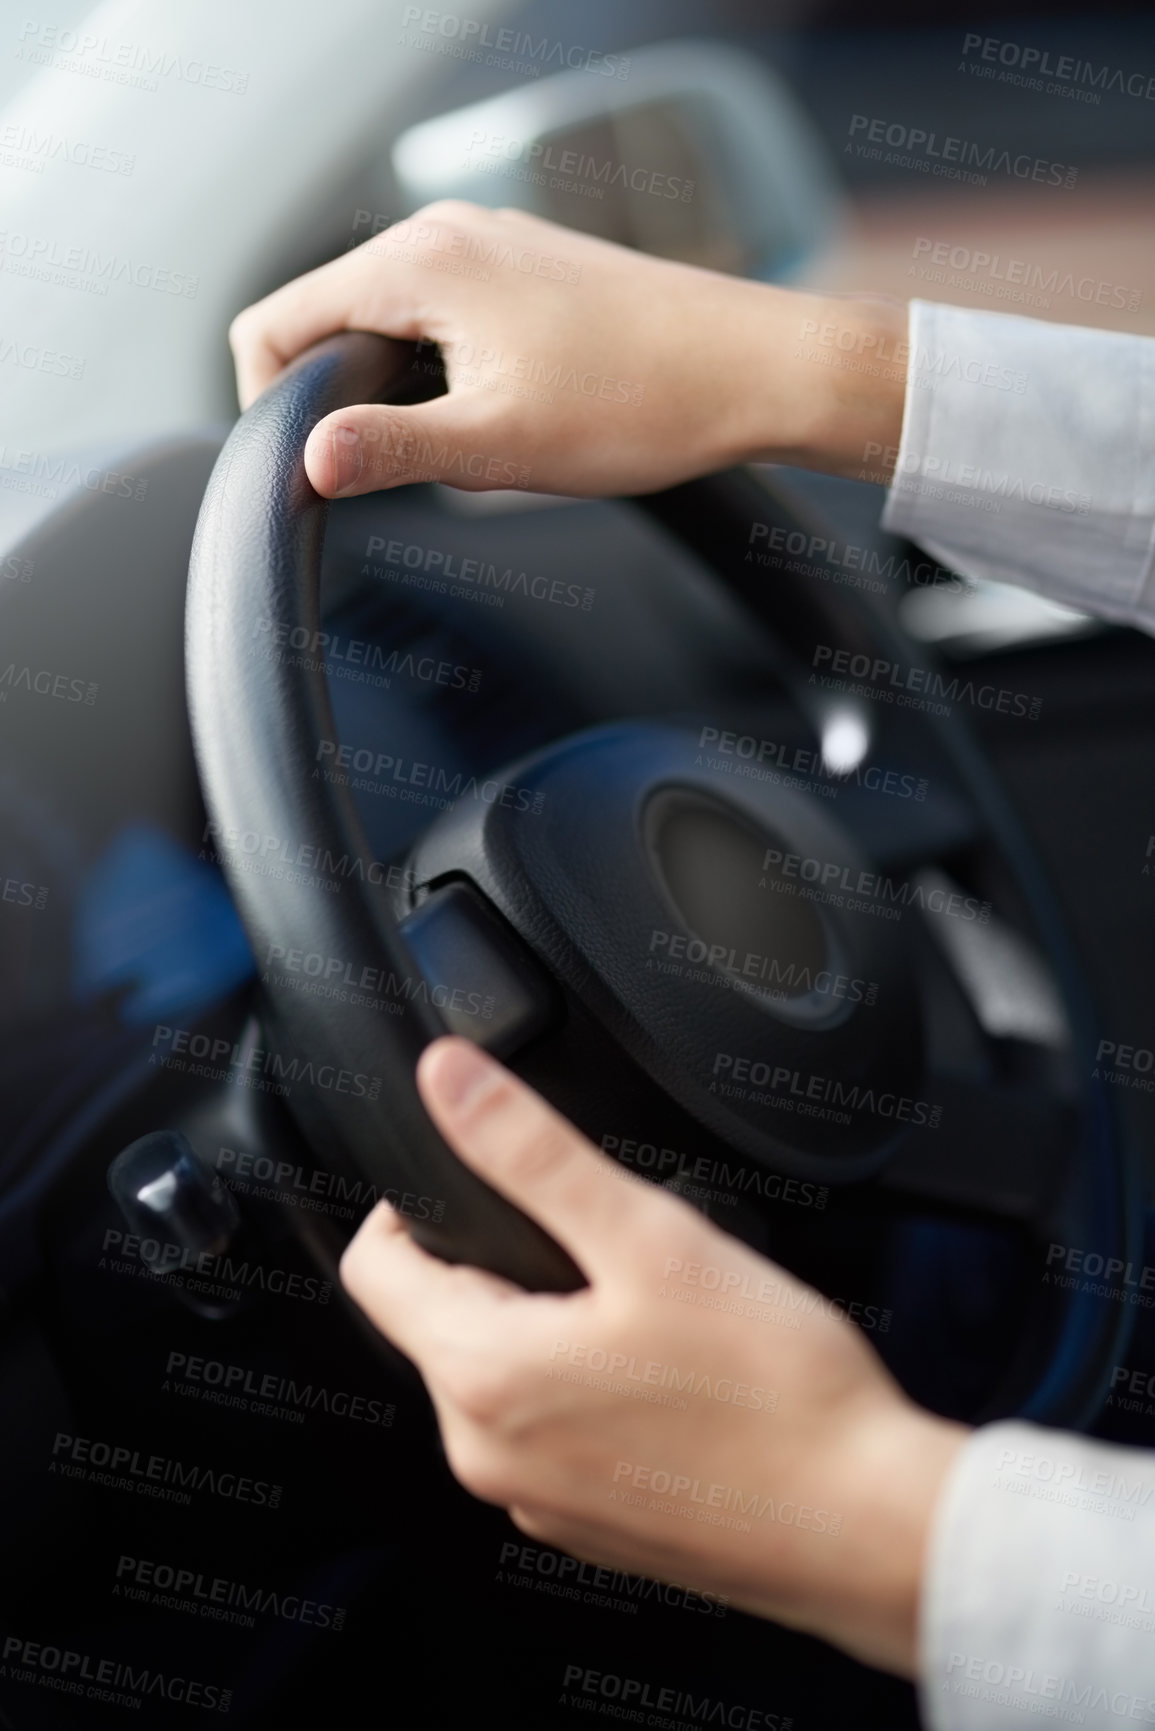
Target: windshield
[{"x": 163, "y": 164}]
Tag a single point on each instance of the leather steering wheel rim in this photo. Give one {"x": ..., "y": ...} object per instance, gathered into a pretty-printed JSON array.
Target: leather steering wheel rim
[{"x": 254, "y": 589}]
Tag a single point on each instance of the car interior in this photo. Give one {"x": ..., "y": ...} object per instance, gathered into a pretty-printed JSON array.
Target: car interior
[{"x": 618, "y": 788}]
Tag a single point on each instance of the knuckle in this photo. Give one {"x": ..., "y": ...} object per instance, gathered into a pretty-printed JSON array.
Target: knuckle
[
  {"x": 242, "y": 325},
  {"x": 537, "y": 1150},
  {"x": 478, "y": 1467},
  {"x": 483, "y": 1393},
  {"x": 665, "y": 1219},
  {"x": 351, "y": 1267},
  {"x": 451, "y": 210},
  {"x": 388, "y": 442},
  {"x": 362, "y": 1256},
  {"x": 663, "y": 1225},
  {"x": 535, "y": 1524}
]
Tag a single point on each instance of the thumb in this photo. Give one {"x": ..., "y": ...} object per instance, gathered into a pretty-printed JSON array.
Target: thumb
[
  {"x": 372, "y": 446},
  {"x": 518, "y": 1143}
]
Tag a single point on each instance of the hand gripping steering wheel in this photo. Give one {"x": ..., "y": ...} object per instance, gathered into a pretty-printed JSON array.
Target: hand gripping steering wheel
[{"x": 836, "y": 1029}]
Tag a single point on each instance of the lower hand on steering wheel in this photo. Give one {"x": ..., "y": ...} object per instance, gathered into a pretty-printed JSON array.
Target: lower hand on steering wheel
[{"x": 693, "y": 1414}]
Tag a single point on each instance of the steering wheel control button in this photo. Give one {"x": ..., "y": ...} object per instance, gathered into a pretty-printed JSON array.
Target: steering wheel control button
[
  {"x": 481, "y": 976},
  {"x": 176, "y": 1205}
]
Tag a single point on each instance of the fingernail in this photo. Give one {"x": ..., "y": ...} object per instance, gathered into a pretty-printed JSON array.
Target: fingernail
[
  {"x": 348, "y": 458},
  {"x": 460, "y": 1075}
]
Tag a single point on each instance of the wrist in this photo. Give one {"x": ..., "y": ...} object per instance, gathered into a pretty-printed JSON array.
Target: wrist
[
  {"x": 892, "y": 1469},
  {"x": 823, "y": 382}
]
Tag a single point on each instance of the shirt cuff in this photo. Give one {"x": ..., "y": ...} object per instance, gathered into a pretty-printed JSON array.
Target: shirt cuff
[
  {"x": 1039, "y": 1597},
  {"x": 1028, "y": 456}
]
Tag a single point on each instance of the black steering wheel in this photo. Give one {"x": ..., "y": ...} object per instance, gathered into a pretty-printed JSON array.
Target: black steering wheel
[{"x": 651, "y": 921}]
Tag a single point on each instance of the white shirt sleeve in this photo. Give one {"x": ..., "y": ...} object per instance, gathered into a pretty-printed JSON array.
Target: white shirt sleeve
[
  {"x": 1038, "y": 1602},
  {"x": 1028, "y": 456}
]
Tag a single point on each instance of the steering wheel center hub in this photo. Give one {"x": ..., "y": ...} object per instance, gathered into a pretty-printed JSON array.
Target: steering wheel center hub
[
  {"x": 686, "y": 912},
  {"x": 725, "y": 884}
]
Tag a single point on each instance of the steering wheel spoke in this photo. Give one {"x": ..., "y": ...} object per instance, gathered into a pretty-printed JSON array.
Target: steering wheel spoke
[{"x": 999, "y": 1148}]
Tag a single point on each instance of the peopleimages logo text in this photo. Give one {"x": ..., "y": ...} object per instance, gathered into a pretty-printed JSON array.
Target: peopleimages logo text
[
  {"x": 1040, "y": 63},
  {"x": 1018, "y": 272},
  {"x": 223, "y": 1274},
  {"x": 781, "y": 869},
  {"x": 673, "y": 1166},
  {"x": 114, "y": 1681},
  {"x": 656, "y": 1374},
  {"x": 45, "y": 683},
  {"x": 245, "y": 1061},
  {"x": 780, "y": 979},
  {"x": 116, "y": 61},
  {"x": 555, "y": 1570},
  {"x": 354, "y": 657},
  {"x": 632, "y": 1694},
  {"x": 982, "y": 1678},
  {"x": 157, "y": 1474},
  {"x": 381, "y": 772},
  {"x": 778, "y": 1084},
  {"x": 288, "y": 1181},
  {"x": 883, "y": 678},
  {"x": 933, "y": 147},
  {"x": 475, "y": 33},
  {"x": 275, "y": 856},
  {"x": 34, "y": 254},
  {"x": 716, "y": 1502},
  {"x": 257, "y": 1391},
  {"x": 1093, "y": 1265},
  {"x": 541, "y": 156},
  {"x": 214, "y": 1596},
  {"x": 444, "y": 566},
  {"x": 362, "y": 980},
  {"x": 864, "y": 567},
  {"x": 923, "y": 364}
]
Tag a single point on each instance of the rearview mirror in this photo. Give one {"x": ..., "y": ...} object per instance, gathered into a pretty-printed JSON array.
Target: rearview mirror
[{"x": 701, "y": 154}]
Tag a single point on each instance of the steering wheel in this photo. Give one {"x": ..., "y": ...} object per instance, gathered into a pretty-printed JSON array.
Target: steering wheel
[{"x": 652, "y": 922}]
